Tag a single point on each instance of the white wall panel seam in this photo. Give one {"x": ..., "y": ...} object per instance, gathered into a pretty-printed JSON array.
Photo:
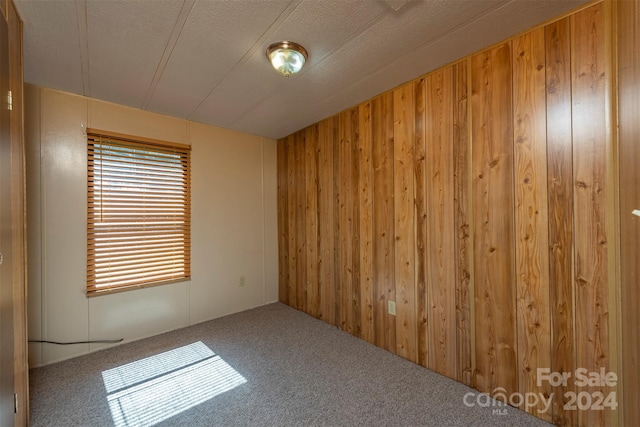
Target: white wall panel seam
[
  {"x": 264, "y": 224},
  {"x": 43, "y": 305}
]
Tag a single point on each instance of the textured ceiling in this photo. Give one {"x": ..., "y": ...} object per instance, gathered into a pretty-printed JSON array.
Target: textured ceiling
[{"x": 204, "y": 60}]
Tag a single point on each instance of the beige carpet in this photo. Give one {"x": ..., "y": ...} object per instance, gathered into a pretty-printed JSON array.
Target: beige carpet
[{"x": 270, "y": 366}]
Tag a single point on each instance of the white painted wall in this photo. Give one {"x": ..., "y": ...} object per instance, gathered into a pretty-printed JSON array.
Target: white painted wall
[{"x": 234, "y": 226}]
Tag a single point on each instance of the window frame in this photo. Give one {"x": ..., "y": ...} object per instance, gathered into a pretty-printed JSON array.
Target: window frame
[{"x": 176, "y": 221}]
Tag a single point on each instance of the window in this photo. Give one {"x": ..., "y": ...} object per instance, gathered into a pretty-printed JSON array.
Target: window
[{"x": 138, "y": 212}]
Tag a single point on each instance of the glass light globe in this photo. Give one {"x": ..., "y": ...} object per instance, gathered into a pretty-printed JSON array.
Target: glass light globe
[{"x": 287, "y": 58}]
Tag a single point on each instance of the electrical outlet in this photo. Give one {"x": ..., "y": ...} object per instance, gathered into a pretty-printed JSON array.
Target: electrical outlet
[
  {"x": 243, "y": 281},
  {"x": 392, "y": 308}
]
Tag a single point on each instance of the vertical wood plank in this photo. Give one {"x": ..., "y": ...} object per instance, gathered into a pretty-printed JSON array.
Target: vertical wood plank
[
  {"x": 440, "y": 223},
  {"x": 560, "y": 205},
  {"x": 532, "y": 233},
  {"x": 283, "y": 231},
  {"x": 311, "y": 215},
  {"x": 404, "y": 199},
  {"x": 421, "y": 221},
  {"x": 365, "y": 203},
  {"x": 338, "y": 226},
  {"x": 629, "y": 135},
  {"x": 382, "y": 111},
  {"x": 292, "y": 205},
  {"x": 493, "y": 203},
  {"x": 301, "y": 234},
  {"x": 326, "y": 222},
  {"x": 463, "y": 248},
  {"x": 346, "y": 221},
  {"x": 356, "y": 320},
  {"x": 589, "y": 172}
]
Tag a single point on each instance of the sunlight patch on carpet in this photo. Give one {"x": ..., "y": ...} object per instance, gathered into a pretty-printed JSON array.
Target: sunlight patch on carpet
[{"x": 150, "y": 390}]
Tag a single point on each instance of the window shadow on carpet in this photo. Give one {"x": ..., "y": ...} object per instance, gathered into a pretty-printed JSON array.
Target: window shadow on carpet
[{"x": 153, "y": 389}]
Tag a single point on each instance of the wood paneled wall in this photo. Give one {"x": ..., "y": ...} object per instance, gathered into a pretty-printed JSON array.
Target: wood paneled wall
[
  {"x": 475, "y": 199},
  {"x": 629, "y": 137}
]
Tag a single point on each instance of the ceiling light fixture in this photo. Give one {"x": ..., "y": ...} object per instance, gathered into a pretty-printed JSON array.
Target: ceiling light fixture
[{"x": 287, "y": 58}]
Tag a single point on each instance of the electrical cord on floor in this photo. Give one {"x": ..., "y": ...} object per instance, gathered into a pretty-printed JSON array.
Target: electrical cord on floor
[{"x": 78, "y": 342}]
